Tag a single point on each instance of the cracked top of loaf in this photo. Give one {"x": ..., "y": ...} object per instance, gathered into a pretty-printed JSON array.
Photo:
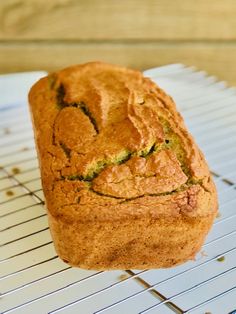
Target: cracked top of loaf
[{"x": 111, "y": 144}]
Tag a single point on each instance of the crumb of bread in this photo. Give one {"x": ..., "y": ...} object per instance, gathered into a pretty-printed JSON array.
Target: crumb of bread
[
  {"x": 7, "y": 131},
  {"x": 9, "y": 193},
  {"x": 203, "y": 254},
  {"x": 123, "y": 277},
  {"x": 15, "y": 170},
  {"x": 221, "y": 259}
]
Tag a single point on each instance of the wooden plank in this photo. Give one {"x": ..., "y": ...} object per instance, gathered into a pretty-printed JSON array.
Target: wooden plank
[
  {"x": 123, "y": 19},
  {"x": 219, "y": 60}
]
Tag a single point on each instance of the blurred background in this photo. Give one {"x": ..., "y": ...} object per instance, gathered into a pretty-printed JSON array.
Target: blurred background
[{"x": 49, "y": 35}]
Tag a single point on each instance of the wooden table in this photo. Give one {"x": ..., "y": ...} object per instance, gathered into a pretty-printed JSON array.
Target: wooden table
[{"x": 48, "y": 35}]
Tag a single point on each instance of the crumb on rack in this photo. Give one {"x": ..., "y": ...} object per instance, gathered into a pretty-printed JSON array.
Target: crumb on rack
[
  {"x": 15, "y": 170},
  {"x": 203, "y": 253},
  {"x": 9, "y": 193},
  {"x": 7, "y": 131},
  {"x": 25, "y": 148},
  {"x": 208, "y": 313},
  {"x": 221, "y": 259},
  {"x": 123, "y": 277},
  {"x": 218, "y": 215}
]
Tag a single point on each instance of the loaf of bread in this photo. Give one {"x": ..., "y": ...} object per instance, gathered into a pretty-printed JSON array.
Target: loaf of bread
[{"x": 125, "y": 184}]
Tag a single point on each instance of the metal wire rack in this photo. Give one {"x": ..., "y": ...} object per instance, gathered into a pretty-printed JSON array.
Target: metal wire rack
[{"x": 34, "y": 280}]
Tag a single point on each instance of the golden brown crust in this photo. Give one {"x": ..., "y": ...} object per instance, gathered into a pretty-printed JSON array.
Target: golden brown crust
[
  {"x": 135, "y": 243},
  {"x": 114, "y": 151}
]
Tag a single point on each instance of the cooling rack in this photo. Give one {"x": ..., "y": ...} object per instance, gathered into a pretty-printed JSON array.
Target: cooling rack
[{"x": 34, "y": 280}]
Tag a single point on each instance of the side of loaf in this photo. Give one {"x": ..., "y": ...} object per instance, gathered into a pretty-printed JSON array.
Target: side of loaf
[{"x": 125, "y": 184}]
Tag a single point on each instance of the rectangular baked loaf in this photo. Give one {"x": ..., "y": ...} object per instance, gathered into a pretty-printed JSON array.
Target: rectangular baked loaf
[{"x": 125, "y": 184}]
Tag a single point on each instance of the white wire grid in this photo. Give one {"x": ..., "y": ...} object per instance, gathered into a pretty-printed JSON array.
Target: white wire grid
[{"x": 34, "y": 280}]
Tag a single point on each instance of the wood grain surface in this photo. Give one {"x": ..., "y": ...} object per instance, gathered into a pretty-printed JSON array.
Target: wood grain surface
[
  {"x": 113, "y": 19},
  {"x": 48, "y": 35}
]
